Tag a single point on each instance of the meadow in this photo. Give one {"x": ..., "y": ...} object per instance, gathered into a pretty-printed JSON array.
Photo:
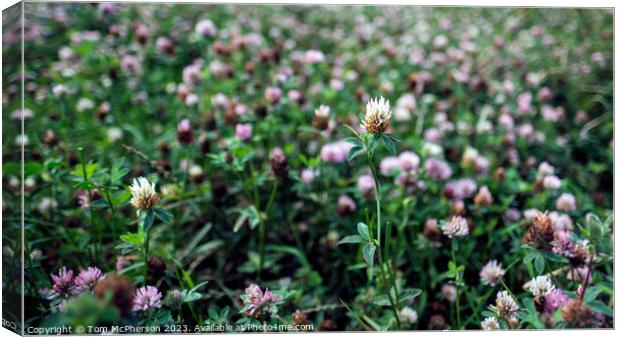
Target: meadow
[{"x": 190, "y": 168}]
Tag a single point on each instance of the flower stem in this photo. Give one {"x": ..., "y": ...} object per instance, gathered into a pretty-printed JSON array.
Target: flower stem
[
  {"x": 146, "y": 256},
  {"x": 458, "y": 282},
  {"x": 394, "y": 303}
]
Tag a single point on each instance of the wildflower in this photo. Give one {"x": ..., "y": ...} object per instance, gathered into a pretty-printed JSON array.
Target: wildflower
[
  {"x": 279, "y": 163},
  {"x": 173, "y": 298},
  {"x": 431, "y": 230},
  {"x": 114, "y": 134},
  {"x": 146, "y": 298},
  {"x": 388, "y": 165},
  {"x": 243, "y": 131},
  {"x": 541, "y": 233},
  {"x": 484, "y": 197},
  {"x": 408, "y": 315},
  {"x": 579, "y": 274},
  {"x": 84, "y": 104},
  {"x": 206, "y": 28},
  {"x": 556, "y": 299},
  {"x": 321, "y": 117},
  {"x": 273, "y": 94},
  {"x": 492, "y": 273},
  {"x": 541, "y": 286},
  {"x": 87, "y": 279},
  {"x": 456, "y": 227},
  {"x": 46, "y": 204},
  {"x": 346, "y": 205},
  {"x": 300, "y": 318},
  {"x": 63, "y": 283},
  {"x": 377, "y": 117},
  {"x": 185, "y": 135},
  {"x": 437, "y": 169},
  {"x": 490, "y": 323},
  {"x": 255, "y": 300},
  {"x": 366, "y": 185},
  {"x": 505, "y": 306},
  {"x": 143, "y": 195},
  {"x": 313, "y": 56},
  {"x": 578, "y": 314},
  {"x": 120, "y": 287},
  {"x": 437, "y": 322},
  {"x": 164, "y": 45},
  {"x": 563, "y": 244},
  {"x": 409, "y": 161},
  {"x": 566, "y": 202},
  {"x": 335, "y": 152},
  {"x": 449, "y": 292},
  {"x": 308, "y": 175}
]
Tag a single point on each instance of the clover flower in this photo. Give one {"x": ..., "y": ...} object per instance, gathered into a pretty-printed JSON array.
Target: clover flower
[
  {"x": 173, "y": 298},
  {"x": 377, "y": 117},
  {"x": 449, "y": 292},
  {"x": 62, "y": 283},
  {"x": 456, "y": 227},
  {"x": 409, "y": 161},
  {"x": 87, "y": 279},
  {"x": 566, "y": 202},
  {"x": 556, "y": 299},
  {"x": 243, "y": 131},
  {"x": 490, "y": 323},
  {"x": 143, "y": 195},
  {"x": 505, "y": 306},
  {"x": 255, "y": 300},
  {"x": 541, "y": 286},
  {"x": 492, "y": 273},
  {"x": 484, "y": 197},
  {"x": 408, "y": 315},
  {"x": 205, "y": 28},
  {"x": 563, "y": 244},
  {"x": 437, "y": 169},
  {"x": 146, "y": 299}
]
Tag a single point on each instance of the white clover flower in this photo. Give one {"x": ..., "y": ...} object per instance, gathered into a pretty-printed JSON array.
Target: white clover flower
[
  {"x": 505, "y": 306},
  {"x": 457, "y": 226},
  {"x": 378, "y": 114},
  {"x": 490, "y": 323},
  {"x": 491, "y": 273},
  {"x": 322, "y": 111},
  {"x": 541, "y": 286},
  {"x": 408, "y": 315},
  {"x": 143, "y": 195},
  {"x": 114, "y": 134},
  {"x": 449, "y": 292}
]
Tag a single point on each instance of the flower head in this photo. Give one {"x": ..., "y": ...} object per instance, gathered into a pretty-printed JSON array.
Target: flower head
[
  {"x": 146, "y": 298},
  {"x": 490, "y": 323},
  {"x": 256, "y": 300},
  {"x": 437, "y": 169},
  {"x": 505, "y": 306},
  {"x": 87, "y": 279},
  {"x": 408, "y": 315},
  {"x": 377, "y": 118},
  {"x": 449, "y": 292},
  {"x": 243, "y": 131},
  {"x": 63, "y": 282},
  {"x": 491, "y": 273},
  {"x": 541, "y": 286},
  {"x": 555, "y": 299},
  {"x": 174, "y": 298},
  {"x": 143, "y": 195},
  {"x": 457, "y": 226}
]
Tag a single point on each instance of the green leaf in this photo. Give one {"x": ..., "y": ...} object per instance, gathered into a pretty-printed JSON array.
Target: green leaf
[
  {"x": 591, "y": 294},
  {"x": 601, "y": 307},
  {"x": 539, "y": 264},
  {"x": 163, "y": 215},
  {"x": 133, "y": 238},
  {"x": 354, "y": 152},
  {"x": 369, "y": 253},
  {"x": 354, "y": 140},
  {"x": 362, "y": 229},
  {"x": 529, "y": 257},
  {"x": 149, "y": 218},
  {"x": 389, "y": 145},
  {"x": 409, "y": 294},
  {"x": 352, "y": 239},
  {"x": 31, "y": 169},
  {"x": 392, "y": 137},
  {"x": 381, "y": 300}
]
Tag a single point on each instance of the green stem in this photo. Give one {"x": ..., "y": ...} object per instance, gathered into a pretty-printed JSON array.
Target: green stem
[
  {"x": 458, "y": 281},
  {"x": 261, "y": 229},
  {"x": 146, "y": 256},
  {"x": 394, "y": 303}
]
